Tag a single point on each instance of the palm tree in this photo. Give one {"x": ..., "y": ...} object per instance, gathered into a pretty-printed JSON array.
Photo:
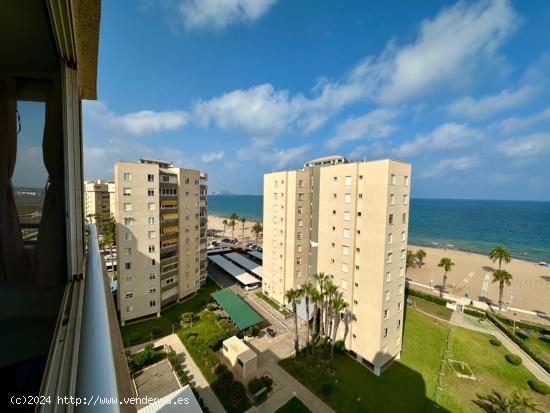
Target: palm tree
[
  {"x": 232, "y": 225},
  {"x": 502, "y": 277},
  {"x": 307, "y": 290},
  {"x": 293, "y": 296},
  {"x": 410, "y": 259},
  {"x": 257, "y": 229},
  {"x": 447, "y": 265},
  {"x": 347, "y": 318},
  {"x": 316, "y": 298},
  {"x": 243, "y": 220},
  {"x": 496, "y": 402},
  {"x": 499, "y": 253},
  {"x": 233, "y": 217},
  {"x": 338, "y": 306},
  {"x": 320, "y": 279},
  {"x": 109, "y": 238},
  {"x": 224, "y": 226},
  {"x": 420, "y": 255},
  {"x": 331, "y": 293}
]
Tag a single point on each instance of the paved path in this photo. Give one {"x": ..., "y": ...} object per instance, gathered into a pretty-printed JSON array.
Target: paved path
[
  {"x": 194, "y": 373},
  {"x": 464, "y": 320}
]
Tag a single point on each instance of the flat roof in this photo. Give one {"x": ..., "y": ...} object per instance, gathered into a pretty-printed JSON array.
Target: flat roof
[
  {"x": 256, "y": 254},
  {"x": 240, "y": 348},
  {"x": 253, "y": 267},
  {"x": 237, "y": 309},
  {"x": 239, "y": 274},
  {"x": 181, "y": 400}
]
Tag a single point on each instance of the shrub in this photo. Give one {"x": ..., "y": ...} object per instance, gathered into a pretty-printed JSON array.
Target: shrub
[
  {"x": 474, "y": 312},
  {"x": 255, "y": 385},
  {"x": 545, "y": 339},
  {"x": 210, "y": 307},
  {"x": 545, "y": 331},
  {"x": 428, "y": 297},
  {"x": 513, "y": 359},
  {"x": 187, "y": 317},
  {"x": 495, "y": 342},
  {"x": 522, "y": 335},
  {"x": 539, "y": 386},
  {"x": 220, "y": 368}
]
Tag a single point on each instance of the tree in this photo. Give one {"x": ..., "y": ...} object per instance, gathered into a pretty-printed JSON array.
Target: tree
[
  {"x": 410, "y": 259},
  {"x": 257, "y": 229},
  {"x": 447, "y": 265},
  {"x": 243, "y": 220},
  {"x": 502, "y": 277},
  {"x": 320, "y": 279},
  {"x": 420, "y": 255},
  {"x": 233, "y": 217},
  {"x": 331, "y": 293},
  {"x": 347, "y": 318},
  {"x": 308, "y": 290},
  {"x": 316, "y": 298},
  {"x": 499, "y": 253},
  {"x": 232, "y": 225},
  {"x": 338, "y": 306},
  {"x": 293, "y": 296},
  {"x": 496, "y": 402},
  {"x": 224, "y": 225}
]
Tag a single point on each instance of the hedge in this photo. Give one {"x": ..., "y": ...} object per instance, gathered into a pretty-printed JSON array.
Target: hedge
[
  {"x": 428, "y": 297},
  {"x": 543, "y": 363},
  {"x": 495, "y": 342},
  {"x": 522, "y": 324},
  {"x": 470, "y": 310},
  {"x": 539, "y": 386},
  {"x": 513, "y": 359}
]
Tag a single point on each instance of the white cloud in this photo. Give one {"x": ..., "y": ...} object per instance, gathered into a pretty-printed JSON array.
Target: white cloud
[
  {"x": 221, "y": 13},
  {"x": 452, "y": 164},
  {"x": 136, "y": 123},
  {"x": 375, "y": 124},
  {"x": 447, "y": 136},
  {"x": 488, "y": 105},
  {"x": 280, "y": 158},
  {"x": 529, "y": 146},
  {"x": 514, "y": 123},
  {"x": 212, "y": 157},
  {"x": 362, "y": 151}
]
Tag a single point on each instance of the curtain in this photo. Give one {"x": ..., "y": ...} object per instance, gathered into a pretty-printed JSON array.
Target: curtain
[
  {"x": 50, "y": 269},
  {"x": 13, "y": 259}
]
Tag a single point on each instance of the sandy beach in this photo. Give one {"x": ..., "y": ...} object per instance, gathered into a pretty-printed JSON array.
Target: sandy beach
[
  {"x": 530, "y": 283},
  {"x": 215, "y": 222}
]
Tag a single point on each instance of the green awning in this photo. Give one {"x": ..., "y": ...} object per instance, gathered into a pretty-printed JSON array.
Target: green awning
[{"x": 237, "y": 309}]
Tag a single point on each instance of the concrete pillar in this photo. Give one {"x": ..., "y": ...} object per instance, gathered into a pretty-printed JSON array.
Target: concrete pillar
[
  {"x": 123, "y": 323},
  {"x": 377, "y": 370},
  {"x": 398, "y": 357},
  {"x": 158, "y": 314}
]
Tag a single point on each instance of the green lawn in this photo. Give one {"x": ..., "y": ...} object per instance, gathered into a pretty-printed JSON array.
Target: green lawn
[
  {"x": 541, "y": 345},
  {"x": 294, "y": 405},
  {"x": 159, "y": 327},
  {"x": 272, "y": 303},
  {"x": 432, "y": 308},
  {"x": 353, "y": 388}
]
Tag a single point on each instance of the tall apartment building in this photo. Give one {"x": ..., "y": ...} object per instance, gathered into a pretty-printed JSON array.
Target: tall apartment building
[
  {"x": 350, "y": 221},
  {"x": 161, "y": 235},
  {"x": 99, "y": 198}
]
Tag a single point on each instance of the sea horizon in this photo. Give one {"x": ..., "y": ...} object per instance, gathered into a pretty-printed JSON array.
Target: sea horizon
[{"x": 471, "y": 225}]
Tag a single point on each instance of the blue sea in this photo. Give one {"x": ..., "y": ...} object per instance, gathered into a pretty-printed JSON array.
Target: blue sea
[{"x": 469, "y": 225}]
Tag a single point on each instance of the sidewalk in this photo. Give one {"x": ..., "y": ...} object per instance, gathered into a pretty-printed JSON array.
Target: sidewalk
[{"x": 458, "y": 319}]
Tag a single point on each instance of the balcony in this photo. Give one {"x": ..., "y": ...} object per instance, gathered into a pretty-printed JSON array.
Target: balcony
[{"x": 168, "y": 259}]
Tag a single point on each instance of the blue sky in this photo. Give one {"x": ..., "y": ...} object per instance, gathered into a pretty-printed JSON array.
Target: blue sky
[{"x": 238, "y": 88}]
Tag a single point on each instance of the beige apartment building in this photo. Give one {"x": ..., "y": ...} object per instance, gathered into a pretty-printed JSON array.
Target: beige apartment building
[
  {"x": 161, "y": 235},
  {"x": 99, "y": 198},
  {"x": 350, "y": 221}
]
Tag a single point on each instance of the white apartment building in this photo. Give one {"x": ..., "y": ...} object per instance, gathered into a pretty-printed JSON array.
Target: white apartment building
[
  {"x": 99, "y": 199},
  {"x": 161, "y": 235},
  {"x": 350, "y": 221}
]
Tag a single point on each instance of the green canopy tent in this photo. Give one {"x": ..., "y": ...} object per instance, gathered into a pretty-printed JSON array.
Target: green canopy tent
[{"x": 237, "y": 309}]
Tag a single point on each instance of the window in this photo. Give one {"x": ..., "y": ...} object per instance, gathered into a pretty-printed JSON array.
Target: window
[
  {"x": 151, "y": 178},
  {"x": 344, "y": 284},
  {"x": 404, "y": 218},
  {"x": 127, "y": 265},
  {"x": 398, "y": 323},
  {"x": 332, "y": 244},
  {"x": 129, "y": 308},
  {"x": 354, "y": 336},
  {"x": 344, "y": 267},
  {"x": 151, "y": 206},
  {"x": 360, "y": 177},
  {"x": 386, "y": 332},
  {"x": 345, "y": 250},
  {"x": 356, "y": 268},
  {"x": 401, "y": 271},
  {"x": 386, "y": 314},
  {"x": 128, "y": 221},
  {"x": 403, "y": 254},
  {"x": 299, "y": 248},
  {"x": 298, "y": 260},
  {"x": 358, "y": 232},
  {"x": 126, "y": 191},
  {"x": 129, "y": 294},
  {"x": 388, "y": 276},
  {"x": 405, "y": 199},
  {"x": 390, "y": 219},
  {"x": 334, "y": 228},
  {"x": 387, "y": 295},
  {"x": 389, "y": 258},
  {"x": 300, "y": 196},
  {"x": 127, "y": 236},
  {"x": 355, "y": 302},
  {"x": 152, "y": 303},
  {"x": 299, "y": 222},
  {"x": 390, "y": 238},
  {"x": 150, "y": 192},
  {"x": 129, "y": 280},
  {"x": 347, "y": 216},
  {"x": 392, "y": 179},
  {"x": 152, "y": 276},
  {"x": 152, "y": 290},
  {"x": 346, "y": 233},
  {"x": 299, "y": 235},
  {"x": 347, "y": 181},
  {"x": 187, "y": 181},
  {"x": 406, "y": 180},
  {"x": 360, "y": 196},
  {"x": 299, "y": 210},
  {"x": 127, "y": 176},
  {"x": 356, "y": 285},
  {"x": 359, "y": 213},
  {"x": 392, "y": 199},
  {"x": 333, "y": 212},
  {"x": 403, "y": 235},
  {"x": 334, "y": 196},
  {"x": 300, "y": 184},
  {"x": 151, "y": 248},
  {"x": 127, "y": 251},
  {"x": 357, "y": 249},
  {"x": 152, "y": 234},
  {"x": 127, "y": 207},
  {"x": 151, "y": 220},
  {"x": 400, "y": 289},
  {"x": 298, "y": 273},
  {"x": 334, "y": 178},
  {"x": 347, "y": 198}
]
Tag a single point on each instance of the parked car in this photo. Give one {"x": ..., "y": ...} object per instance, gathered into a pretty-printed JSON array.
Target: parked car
[{"x": 227, "y": 240}]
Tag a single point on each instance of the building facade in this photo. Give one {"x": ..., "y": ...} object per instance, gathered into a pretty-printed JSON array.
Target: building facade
[
  {"x": 350, "y": 221},
  {"x": 161, "y": 235},
  {"x": 99, "y": 200}
]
